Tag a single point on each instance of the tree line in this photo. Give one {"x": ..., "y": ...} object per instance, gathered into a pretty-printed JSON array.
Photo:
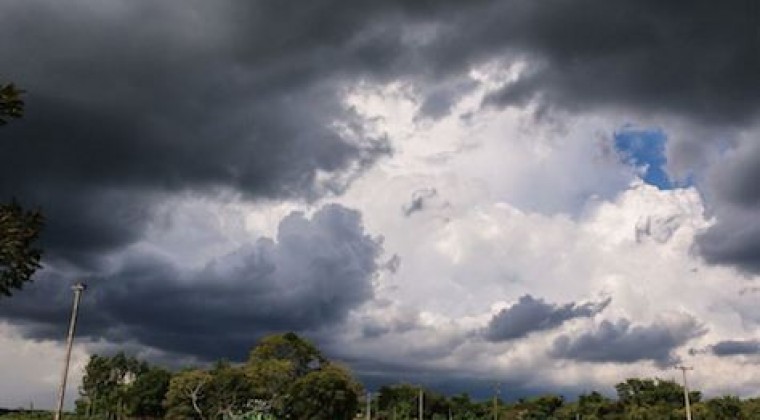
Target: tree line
[
  {"x": 288, "y": 377},
  {"x": 285, "y": 377}
]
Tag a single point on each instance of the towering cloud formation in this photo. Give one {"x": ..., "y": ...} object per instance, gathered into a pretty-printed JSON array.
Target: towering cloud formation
[{"x": 309, "y": 277}]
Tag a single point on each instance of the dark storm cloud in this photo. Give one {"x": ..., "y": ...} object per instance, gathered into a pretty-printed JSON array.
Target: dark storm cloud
[
  {"x": 736, "y": 348},
  {"x": 735, "y": 237},
  {"x": 733, "y": 240},
  {"x": 698, "y": 59},
  {"x": 148, "y": 98},
  {"x": 309, "y": 277},
  {"x": 625, "y": 343},
  {"x": 131, "y": 100},
  {"x": 530, "y": 315}
]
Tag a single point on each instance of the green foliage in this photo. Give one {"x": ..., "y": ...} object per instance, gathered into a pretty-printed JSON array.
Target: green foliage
[
  {"x": 327, "y": 393},
  {"x": 594, "y": 405},
  {"x": 649, "y": 392},
  {"x": 542, "y": 407},
  {"x": 19, "y": 258},
  {"x": 188, "y": 395},
  {"x": 287, "y": 377},
  {"x": 399, "y": 400},
  {"x": 146, "y": 394},
  {"x": 120, "y": 385},
  {"x": 19, "y": 229},
  {"x": 296, "y": 354},
  {"x": 230, "y": 391},
  {"x": 463, "y": 408},
  {"x": 751, "y": 408},
  {"x": 726, "y": 407},
  {"x": 277, "y": 363},
  {"x": 11, "y": 104},
  {"x": 402, "y": 402}
]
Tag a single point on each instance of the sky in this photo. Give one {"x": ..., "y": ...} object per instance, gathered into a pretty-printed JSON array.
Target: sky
[{"x": 553, "y": 195}]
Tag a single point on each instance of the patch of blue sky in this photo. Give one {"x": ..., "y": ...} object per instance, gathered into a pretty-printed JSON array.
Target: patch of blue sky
[{"x": 644, "y": 149}]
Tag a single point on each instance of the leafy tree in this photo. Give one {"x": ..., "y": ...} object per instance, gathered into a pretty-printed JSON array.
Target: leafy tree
[
  {"x": 751, "y": 408},
  {"x": 726, "y": 407},
  {"x": 146, "y": 394},
  {"x": 300, "y": 355},
  {"x": 11, "y": 104},
  {"x": 595, "y": 405},
  {"x": 230, "y": 391},
  {"x": 327, "y": 393},
  {"x": 653, "y": 398},
  {"x": 542, "y": 407},
  {"x": 107, "y": 384},
  {"x": 223, "y": 392},
  {"x": 463, "y": 408},
  {"x": 187, "y": 397},
  {"x": 19, "y": 259},
  {"x": 649, "y": 392},
  {"x": 19, "y": 229},
  {"x": 277, "y": 362},
  {"x": 400, "y": 400},
  {"x": 292, "y": 377}
]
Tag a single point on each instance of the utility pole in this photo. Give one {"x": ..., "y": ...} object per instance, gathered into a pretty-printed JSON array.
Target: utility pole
[
  {"x": 496, "y": 392},
  {"x": 369, "y": 405},
  {"x": 78, "y": 289},
  {"x": 683, "y": 370},
  {"x": 421, "y": 404}
]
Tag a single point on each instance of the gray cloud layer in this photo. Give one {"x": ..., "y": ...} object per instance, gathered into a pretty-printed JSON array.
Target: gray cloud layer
[
  {"x": 530, "y": 315},
  {"x": 309, "y": 277},
  {"x": 623, "y": 342},
  {"x": 736, "y": 348}
]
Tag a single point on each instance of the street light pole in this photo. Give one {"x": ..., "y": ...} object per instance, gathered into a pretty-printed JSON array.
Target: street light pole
[
  {"x": 78, "y": 289},
  {"x": 686, "y": 390}
]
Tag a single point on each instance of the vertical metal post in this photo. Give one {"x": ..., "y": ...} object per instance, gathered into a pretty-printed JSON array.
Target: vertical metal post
[
  {"x": 78, "y": 289},
  {"x": 686, "y": 390}
]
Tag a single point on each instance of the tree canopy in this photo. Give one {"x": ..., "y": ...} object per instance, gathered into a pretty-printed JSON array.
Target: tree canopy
[
  {"x": 19, "y": 258},
  {"x": 19, "y": 228}
]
